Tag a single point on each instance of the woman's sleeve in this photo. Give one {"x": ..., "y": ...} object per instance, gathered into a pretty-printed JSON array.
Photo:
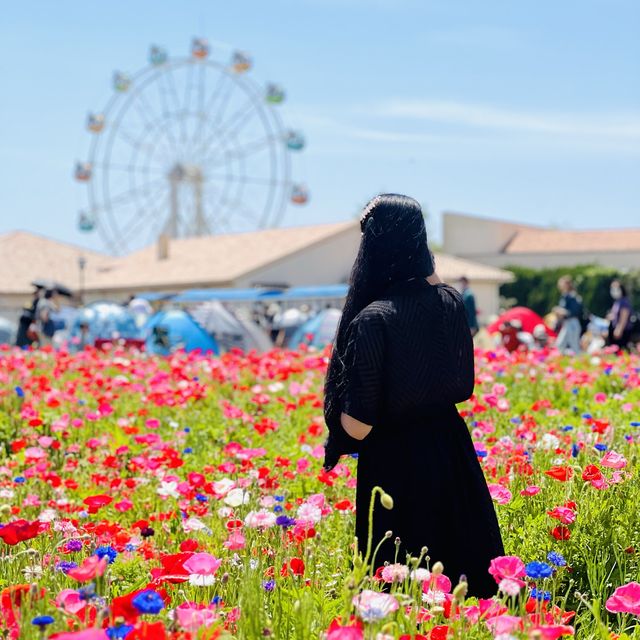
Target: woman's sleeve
[{"x": 364, "y": 368}]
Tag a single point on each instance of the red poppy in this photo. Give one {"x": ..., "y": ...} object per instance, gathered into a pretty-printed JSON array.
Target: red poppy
[
  {"x": 19, "y": 531},
  {"x": 560, "y": 473},
  {"x": 148, "y": 631},
  {"x": 439, "y": 632},
  {"x": 561, "y": 532},
  {"x": 97, "y": 502},
  {"x": 591, "y": 472}
]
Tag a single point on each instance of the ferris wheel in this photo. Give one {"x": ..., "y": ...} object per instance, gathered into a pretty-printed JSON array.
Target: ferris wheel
[{"x": 185, "y": 147}]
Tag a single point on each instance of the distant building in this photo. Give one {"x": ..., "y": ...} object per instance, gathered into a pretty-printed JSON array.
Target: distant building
[
  {"x": 501, "y": 243},
  {"x": 295, "y": 256}
]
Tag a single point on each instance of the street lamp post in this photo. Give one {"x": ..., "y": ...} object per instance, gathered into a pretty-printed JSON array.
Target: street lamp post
[{"x": 82, "y": 263}]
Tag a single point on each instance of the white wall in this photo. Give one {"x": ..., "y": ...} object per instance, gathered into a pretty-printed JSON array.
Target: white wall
[
  {"x": 328, "y": 262},
  {"x": 473, "y": 237}
]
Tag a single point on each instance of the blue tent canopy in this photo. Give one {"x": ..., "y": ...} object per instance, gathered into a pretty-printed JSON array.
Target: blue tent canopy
[
  {"x": 255, "y": 294},
  {"x": 176, "y": 329},
  {"x": 203, "y": 295},
  {"x": 308, "y": 293}
]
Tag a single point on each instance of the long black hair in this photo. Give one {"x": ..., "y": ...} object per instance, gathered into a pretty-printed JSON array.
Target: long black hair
[{"x": 393, "y": 248}]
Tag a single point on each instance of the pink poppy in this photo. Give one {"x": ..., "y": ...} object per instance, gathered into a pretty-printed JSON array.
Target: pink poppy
[
  {"x": 504, "y": 624},
  {"x": 88, "y": 634},
  {"x": 372, "y": 606},
  {"x": 625, "y": 599},
  {"x": 89, "y": 569},
  {"x": 531, "y": 490},
  {"x": 507, "y": 567},
  {"x": 236, "y": 540},
  {"x": 202, "y": 564},
  {"x": 500, "y": 494},
  {"x": 192, "y": 616},
  {"x": 553, "y": 631},
  {"x": 613, "y": 460},
  {"x": 70, "y": 601},
  {"x": 564, "y": 514}
]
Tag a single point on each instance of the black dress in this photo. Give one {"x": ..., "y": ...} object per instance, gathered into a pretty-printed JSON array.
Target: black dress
[{"x": 409, "y": 360}]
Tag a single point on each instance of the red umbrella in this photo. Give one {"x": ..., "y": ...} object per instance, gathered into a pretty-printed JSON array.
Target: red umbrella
[{"x": 528, "y": 319}]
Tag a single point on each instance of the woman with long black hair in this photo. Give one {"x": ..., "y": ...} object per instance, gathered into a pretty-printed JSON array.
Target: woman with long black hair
[{"x": 402, "y": 359}]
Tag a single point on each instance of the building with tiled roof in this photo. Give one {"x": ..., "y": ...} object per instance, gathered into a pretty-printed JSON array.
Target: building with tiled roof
[
  {"x": 502, "y": 243},
  {"x": 294, "y": 256}
]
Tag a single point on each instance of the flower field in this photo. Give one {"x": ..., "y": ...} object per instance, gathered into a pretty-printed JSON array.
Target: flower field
[{"x": 185, "y": 498}]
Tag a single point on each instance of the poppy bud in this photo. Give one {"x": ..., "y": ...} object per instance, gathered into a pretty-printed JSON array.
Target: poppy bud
[
  {"x": 460, "y": 592},
  {"x": 388, "y": 534},
  {"x": 387, "y": 501},
  {"x": 437, "y": 569}
]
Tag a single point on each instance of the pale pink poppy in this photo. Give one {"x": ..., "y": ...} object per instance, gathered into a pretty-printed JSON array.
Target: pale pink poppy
[
  {"x": 202, "y": 564},
  {"x": 504, "y": 624},
  {"x": 510, "y": 586},
  {"x": 531, "y": 490},
  {"x": 625, "y": 599},
  {"x": 260, "y": 519},
  {"x": 395, "y": 572},
  {"x": 70, "y": 601},
  {"x": 235, "y": 541},
  {"x": 372, "y": 606},
  {"x": 613, "y": 460},
  {"x": 500, "y": 494},
  {"x": 192, "y": 616}
]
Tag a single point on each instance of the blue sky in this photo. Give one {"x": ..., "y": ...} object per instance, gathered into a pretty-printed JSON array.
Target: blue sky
[{"x": 516, "y": 109}]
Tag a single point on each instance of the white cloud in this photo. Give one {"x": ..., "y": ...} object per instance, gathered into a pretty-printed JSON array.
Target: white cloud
[{"x": 489, "y": 117}]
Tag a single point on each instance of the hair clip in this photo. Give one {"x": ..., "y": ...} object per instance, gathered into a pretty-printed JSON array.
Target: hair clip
[{"x": 368, "y": 209}]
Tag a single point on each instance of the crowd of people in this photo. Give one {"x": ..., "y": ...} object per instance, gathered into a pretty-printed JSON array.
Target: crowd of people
[{"x": 569, "y": 325}]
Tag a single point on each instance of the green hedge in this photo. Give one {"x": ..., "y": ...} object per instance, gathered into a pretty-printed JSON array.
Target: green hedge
[{"x": 537, "y": 288}]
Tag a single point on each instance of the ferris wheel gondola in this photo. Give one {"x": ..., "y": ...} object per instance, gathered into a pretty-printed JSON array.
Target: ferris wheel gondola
[{"x": 188, "y": 146}]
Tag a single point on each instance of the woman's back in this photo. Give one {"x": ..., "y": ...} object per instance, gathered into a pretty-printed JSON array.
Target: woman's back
[{"x": 417, "y": 335}]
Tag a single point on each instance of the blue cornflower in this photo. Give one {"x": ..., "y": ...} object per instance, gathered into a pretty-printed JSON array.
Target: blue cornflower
[
  {"x": 66, "y": 566},
  {"x": 188, "y": 450},
  {"x": 42, "y": 621},
  {"x": 19, "y": 479},
  {"x": 575, "y": 450},
  {"x": 575, "y": 391},
  {"x": 600, "y": 446},
  {"x": 88, "y": 592},
  {"x": 635, "y": 424},
  {"x": 107, "y": 551},
  {"x": 216, "y": 600},
  {"x": 19, "y": 392},
  {"x": 628, "y": 437},
  {"x": 540, "y": 595},
  {"x": 537, "y": 570},
  {"x": 587, "y": 416},
  {"x": 556, "y": 558},
  {"x": 269, "y": 585},
  {"x": 120, "y": 631},
  {"x": 187, "y": 429},
  {"x": 354, "y": 456},
  {"x": 285, "y": 521},
  {"x": 277, "y": 509},
  {"x": 567, "y": 427},
  {"x": 481, "y": 454},
  {"x": 73, "y": 545},
  {"x": 515, "y": 420},
  {"x": 200, "y": 497},
  {"x": 148, "y": 601},
  {"x": 278, "y": 498},
  {"x": 130, "y": 547}
]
